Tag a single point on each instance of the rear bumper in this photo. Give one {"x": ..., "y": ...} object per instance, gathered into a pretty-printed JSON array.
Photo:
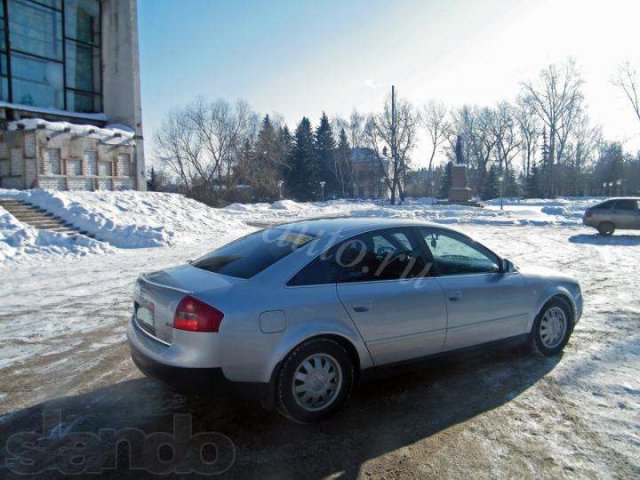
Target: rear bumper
[
  {"x": 185, "y": 380},
  {"x": 147, "y": 356}
]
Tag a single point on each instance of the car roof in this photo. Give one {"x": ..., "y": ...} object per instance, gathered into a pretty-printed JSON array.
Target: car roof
[
  {"x": 622, "y": 198},
  {"x": 348, "y": 226}
]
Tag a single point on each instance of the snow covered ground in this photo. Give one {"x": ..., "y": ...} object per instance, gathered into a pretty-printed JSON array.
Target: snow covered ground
[
  {"x": 525, "y": 212},
  {"x": 62, "y": 331}
]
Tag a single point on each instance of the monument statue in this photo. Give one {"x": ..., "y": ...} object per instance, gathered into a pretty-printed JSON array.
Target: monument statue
[
  {"x": 459, "y": 192},
  {"x": 459, "y": 151}
]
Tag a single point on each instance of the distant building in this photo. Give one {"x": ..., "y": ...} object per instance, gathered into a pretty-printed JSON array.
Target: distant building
[
  {"x": 368, "y": 169},
  {"x": 70, "y": 114}
]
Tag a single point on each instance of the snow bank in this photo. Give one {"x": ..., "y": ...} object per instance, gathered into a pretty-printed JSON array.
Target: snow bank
[
  {"x": 288, "y": 205},
  {"x": 537, "y": 212},
  {"x": 131, "y": 219},
  {"x": 19, "y": 241}
]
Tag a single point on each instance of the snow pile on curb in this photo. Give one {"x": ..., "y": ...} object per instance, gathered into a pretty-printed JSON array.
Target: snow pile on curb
[
  {"x": 131, "y": 219},
  {"x": 18, "y": 241}
]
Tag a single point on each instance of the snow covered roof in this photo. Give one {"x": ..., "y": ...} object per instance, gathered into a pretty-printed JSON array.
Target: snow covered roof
[{"x": 111, "y": 131}]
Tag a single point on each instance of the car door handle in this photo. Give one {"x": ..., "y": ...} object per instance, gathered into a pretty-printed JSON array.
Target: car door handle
[
  {"x": 360, "y": 308},
  {"x": 454, "y": 296}
]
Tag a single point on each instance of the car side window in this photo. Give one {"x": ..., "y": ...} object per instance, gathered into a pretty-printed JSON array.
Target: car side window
[
  {"x": 391, "y": 254},
  {"x": 321, "y": 271},
  {"x": 455, "y": 254},
  {"x": 605, "y": 205},
  {"x": 626, "y": 205}
]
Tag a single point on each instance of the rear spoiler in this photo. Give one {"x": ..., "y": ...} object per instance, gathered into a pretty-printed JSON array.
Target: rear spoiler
[{"x": 144, "y": 278}]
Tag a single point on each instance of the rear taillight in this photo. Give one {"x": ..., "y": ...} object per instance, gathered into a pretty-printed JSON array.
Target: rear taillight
[{"x": 196, "y": 316}]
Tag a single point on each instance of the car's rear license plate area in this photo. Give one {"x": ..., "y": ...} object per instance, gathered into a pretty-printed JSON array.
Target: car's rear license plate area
[{"x": 144, "y": 316}]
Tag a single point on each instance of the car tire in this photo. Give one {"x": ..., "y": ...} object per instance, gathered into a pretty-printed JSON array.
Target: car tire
[
  {"x": 552, "y": 328},
  {"x": 606, "y": 229},
  {"x": 314, "y": 381}
]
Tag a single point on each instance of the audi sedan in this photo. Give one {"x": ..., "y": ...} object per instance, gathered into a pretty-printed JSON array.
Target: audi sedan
[{"x": 295, "y": 314}]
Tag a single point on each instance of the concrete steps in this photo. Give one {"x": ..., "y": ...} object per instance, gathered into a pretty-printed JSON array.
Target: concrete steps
[{"x": 40, "y": 218}]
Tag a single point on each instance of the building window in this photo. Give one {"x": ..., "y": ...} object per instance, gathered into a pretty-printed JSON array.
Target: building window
[
  {"x": 104, "y": 169},
  {"x": 50, "y": 56},
  {"x": 37, "y": 82},
  {"x": 74, "y": 167},
  {"x": 82, "y": 49},
  {"x": 91, "y": 160},
  {"x": 124, "y": 165},
  {"x": 52, "y": 163}
]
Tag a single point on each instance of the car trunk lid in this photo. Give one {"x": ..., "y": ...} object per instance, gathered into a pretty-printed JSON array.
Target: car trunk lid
[{"x": 157, "y": 295}]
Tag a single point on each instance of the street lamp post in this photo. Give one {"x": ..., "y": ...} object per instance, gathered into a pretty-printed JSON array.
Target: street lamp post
[
  {"x": 355, "y": 190},
  {"x": 322, "y": 184},
  {"x": 382, "y": 181},
  {"x": 604, "y": 189},
  {"x": 433, "y": 184},
  {"x": 501, "y": 180},
  {"x": 610, "y": 188},
  {"x": 280, "y": 183},
  {"x": 619, "y": 184}
]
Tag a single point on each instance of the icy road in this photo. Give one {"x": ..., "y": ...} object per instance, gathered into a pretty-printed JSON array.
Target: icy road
[{"x": 501, "y": 414}]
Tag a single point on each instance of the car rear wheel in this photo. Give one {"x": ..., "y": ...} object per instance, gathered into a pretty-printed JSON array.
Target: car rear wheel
[
  {"x": 315, "y": 380},
  {"x": 552, "y": 328},
  {"x": 606, "y": 229}
]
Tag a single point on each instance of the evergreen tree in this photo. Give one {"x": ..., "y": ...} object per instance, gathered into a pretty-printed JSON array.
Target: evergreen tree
[
  {"x": 511, "y": 187},
  {"x": 343, "y": 161},
  {"x": 285, "y": 147},
  {"x": 446, "y": 181},
  {"x": 326, "y": 157},
  {"x": 491, "y": 187},
  {"x": 152, "y": 183},
  {"x": 545, "y": 168},
  {"x": 533, "y": 185},
  {"x": 303, "y": 175}
]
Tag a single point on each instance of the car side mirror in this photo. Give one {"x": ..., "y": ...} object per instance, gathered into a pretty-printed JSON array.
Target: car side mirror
[{"x": 507, "y": 266}]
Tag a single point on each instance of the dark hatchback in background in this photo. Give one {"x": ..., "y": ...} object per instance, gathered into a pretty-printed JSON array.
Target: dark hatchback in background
[{"x": 614, "y": 214}]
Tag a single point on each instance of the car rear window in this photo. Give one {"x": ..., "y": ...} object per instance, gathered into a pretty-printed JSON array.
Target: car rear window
[{"x": 250, "y": 255}]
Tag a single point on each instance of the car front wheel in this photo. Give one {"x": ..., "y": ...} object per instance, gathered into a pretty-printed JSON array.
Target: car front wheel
[
  {"x": 552, "y": 328},
  {"x": 315, "y": 380}
]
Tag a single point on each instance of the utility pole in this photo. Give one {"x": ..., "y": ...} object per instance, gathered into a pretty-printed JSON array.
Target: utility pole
[{"x": 393, "y": 144}]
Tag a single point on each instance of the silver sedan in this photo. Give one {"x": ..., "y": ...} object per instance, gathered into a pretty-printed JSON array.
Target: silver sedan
[{"x": 297, "y": 313}]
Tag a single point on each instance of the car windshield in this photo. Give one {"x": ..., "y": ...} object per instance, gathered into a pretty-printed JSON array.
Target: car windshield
[{"x": 250, "y": 255}]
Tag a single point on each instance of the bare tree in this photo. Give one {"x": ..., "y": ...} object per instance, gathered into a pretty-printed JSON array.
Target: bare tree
[
  {"x": 529, "y": 128},
  {"x": 507, "y": 138},
  {"x": 202, "y": 142},
  {"x": 178, "y": 148},
  {"x": 557, "y": 99},
  {"x": 398, "y": 137},
  {"x": 627, "y": 80},
  {"x": 434, "y": 119}
]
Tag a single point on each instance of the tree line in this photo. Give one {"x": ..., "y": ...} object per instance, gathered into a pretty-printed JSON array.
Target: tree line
[{"x": 540, "y": 144}]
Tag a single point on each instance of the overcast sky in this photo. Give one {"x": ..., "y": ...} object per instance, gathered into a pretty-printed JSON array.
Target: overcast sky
[{"x": 302, "y": 57}]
